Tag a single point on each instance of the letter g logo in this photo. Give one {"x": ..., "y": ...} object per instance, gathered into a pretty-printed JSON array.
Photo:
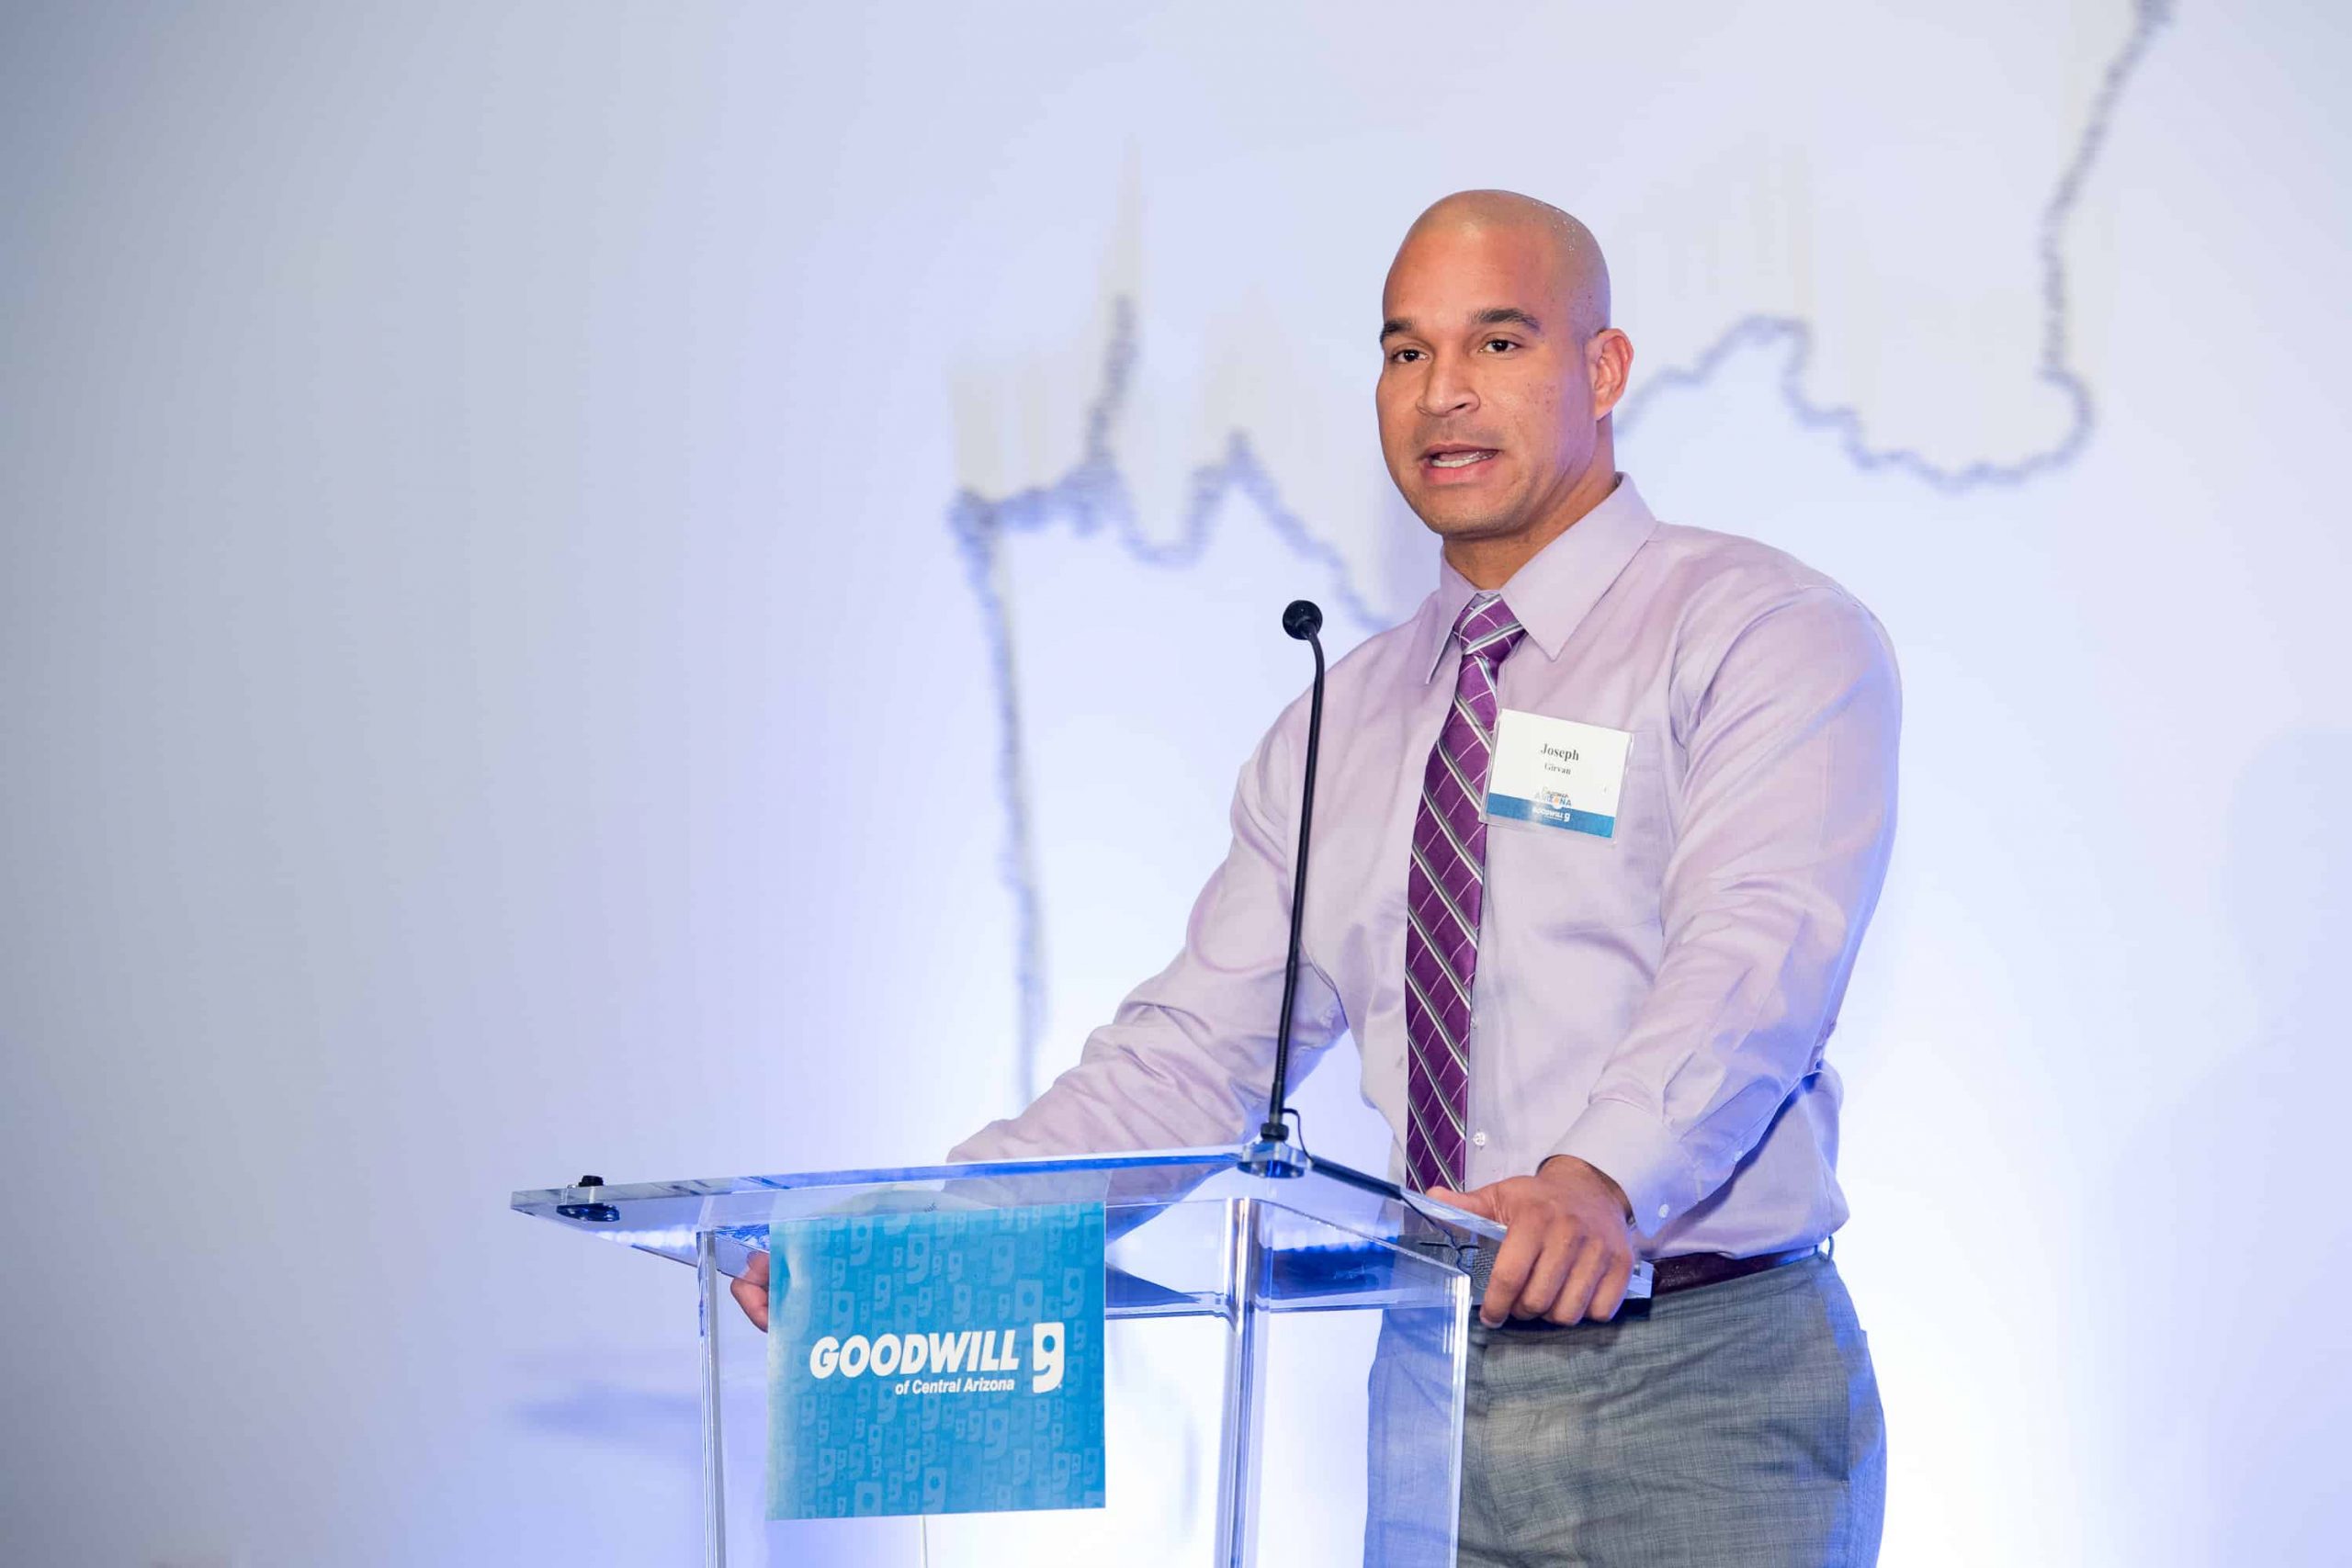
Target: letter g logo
[
  {"x": 824, "y": 1356},
  {"x": 1045, "y": 1358}
]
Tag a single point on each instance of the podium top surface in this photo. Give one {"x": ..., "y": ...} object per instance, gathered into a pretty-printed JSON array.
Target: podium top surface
[{"x": 1331, "y": 1203}]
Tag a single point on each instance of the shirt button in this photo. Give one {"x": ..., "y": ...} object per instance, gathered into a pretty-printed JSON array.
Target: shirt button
[
  {"x": 1663, "y": 1210},
  {"x": 1479, "y": 1139}
]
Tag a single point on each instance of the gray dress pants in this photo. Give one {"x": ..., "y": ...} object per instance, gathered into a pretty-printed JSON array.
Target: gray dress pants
[{"x": 1737, "y": 1426}]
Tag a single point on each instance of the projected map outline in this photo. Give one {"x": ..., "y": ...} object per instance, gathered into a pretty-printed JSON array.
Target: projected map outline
[{"x": 1093, "y": 494}]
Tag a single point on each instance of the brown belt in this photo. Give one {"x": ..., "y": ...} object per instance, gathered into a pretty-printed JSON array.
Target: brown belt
[{"x": 1691, "y": 1271}]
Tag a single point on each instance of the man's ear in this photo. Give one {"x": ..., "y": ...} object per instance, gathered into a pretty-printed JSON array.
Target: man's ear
[{"x": 1608, "y": 363}]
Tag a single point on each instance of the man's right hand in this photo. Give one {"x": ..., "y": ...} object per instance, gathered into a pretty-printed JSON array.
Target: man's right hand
[
  {"x": 751, "y": 1290},
  {"x": 1568, "y": 1250}
]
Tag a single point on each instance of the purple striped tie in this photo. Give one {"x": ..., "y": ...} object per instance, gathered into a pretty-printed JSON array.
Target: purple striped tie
[{"x": 1444, "y": 893}]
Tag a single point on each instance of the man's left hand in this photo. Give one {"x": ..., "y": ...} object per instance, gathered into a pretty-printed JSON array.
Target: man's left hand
[{"x": 1568, "y": 1250}]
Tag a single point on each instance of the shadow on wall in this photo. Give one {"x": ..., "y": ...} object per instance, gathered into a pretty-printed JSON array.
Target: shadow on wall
[
  {"x": 2244, "y": 1357},
  {"x": 642, "y": 1418}
]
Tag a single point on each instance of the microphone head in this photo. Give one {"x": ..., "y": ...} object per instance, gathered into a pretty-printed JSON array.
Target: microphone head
[{"x": 1301, "y": 618}]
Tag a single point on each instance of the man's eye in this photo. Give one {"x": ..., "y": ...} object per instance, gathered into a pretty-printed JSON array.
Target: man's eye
[
  {"x": 1501, "y": 345},
  {"x": 1404, "y": 357}
]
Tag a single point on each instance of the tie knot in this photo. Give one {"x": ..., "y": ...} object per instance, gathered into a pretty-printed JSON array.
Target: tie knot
[{"x": 1487, "y": 629}]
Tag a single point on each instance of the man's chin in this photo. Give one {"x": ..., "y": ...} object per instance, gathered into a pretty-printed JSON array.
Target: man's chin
[{"x": 1450, "y": 518}]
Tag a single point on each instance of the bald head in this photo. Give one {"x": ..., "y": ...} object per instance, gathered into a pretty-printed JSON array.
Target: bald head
[
  {"x": 1570, "y": 254},
  {"x": 1499, "y": 369}
]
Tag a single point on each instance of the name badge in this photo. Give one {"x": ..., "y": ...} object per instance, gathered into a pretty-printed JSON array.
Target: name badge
[{"x": 1556, "y": 773}]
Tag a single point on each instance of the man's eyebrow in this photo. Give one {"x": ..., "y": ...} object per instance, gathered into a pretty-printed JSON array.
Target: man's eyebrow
[
  {"x": 1492, "y": 316},
  {"x": 1501, "y": 315}
]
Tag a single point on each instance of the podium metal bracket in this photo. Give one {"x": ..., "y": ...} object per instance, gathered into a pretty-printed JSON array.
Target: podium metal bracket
[{"x": 1277, "y": 1160}]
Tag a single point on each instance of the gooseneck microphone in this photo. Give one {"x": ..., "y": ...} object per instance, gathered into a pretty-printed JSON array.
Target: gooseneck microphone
[{"x": 1301, "y": 619}]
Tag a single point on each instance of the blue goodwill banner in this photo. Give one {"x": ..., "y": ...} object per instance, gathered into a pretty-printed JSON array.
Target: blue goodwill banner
[{"x": 945, "y": 1362}]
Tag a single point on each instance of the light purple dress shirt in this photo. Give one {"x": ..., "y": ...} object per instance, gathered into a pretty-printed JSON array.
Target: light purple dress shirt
[{"x": 1657, "y": 1002}]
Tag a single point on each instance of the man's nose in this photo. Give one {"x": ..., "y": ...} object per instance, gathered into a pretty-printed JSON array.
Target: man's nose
[{"x": 1449, "y": 389}]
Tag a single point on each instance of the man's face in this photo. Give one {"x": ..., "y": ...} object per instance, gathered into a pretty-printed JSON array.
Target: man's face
[{"x": 1487, "y": 401}]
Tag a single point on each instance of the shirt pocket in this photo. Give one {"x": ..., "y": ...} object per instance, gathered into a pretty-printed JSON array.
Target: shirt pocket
[{"x": 1563, "y": 880}]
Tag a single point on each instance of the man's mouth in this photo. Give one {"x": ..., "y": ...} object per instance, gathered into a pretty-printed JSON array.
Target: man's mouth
[{"x": 1458, "y": 456}]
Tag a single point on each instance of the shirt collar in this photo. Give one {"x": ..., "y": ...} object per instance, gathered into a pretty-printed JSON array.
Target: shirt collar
[{"x": 1551, "y": 593}]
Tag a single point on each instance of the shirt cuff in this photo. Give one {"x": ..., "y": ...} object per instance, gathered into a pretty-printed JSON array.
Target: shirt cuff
[{"x": 1628, "y": 1146}]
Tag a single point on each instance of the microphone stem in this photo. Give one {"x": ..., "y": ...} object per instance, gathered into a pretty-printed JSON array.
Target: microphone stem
[{"x": 1275, "y": 1129}]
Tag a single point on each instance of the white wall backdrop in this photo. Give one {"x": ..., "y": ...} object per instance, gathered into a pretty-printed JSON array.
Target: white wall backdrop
[{"x": 534, "y": 534}]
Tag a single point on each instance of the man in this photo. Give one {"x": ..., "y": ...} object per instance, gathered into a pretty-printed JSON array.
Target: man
[{"x": 1595, "y": 1013}]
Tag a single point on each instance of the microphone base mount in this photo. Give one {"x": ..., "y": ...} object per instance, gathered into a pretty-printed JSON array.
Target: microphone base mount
[{"x": 1274, "y": 1158}]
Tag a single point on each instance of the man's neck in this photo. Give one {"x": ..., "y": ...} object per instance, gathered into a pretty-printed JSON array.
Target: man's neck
[{"x": 1488, "y": 563}]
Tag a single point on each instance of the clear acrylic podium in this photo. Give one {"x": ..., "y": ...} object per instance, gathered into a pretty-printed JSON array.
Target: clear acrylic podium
[{"x": 1284, "y": 1357}]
